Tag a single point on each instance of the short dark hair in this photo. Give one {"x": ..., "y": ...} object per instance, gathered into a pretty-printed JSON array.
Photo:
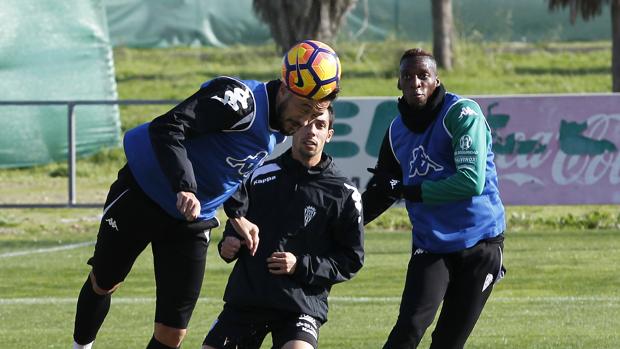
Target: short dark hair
[
  {"x": 332, "y": 116},
  {"x": 332, "y": 95},
  {"x": 417, "y": 52}
]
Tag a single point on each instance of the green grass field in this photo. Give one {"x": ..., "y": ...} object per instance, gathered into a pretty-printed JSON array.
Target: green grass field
[{"x": 561, "y": 290}]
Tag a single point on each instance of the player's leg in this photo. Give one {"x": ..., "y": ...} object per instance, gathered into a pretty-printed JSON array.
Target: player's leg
[
  {"x": 294, "y": 331},
  {"x": 115, "y": 252},
  {"x": 236, "y": 329},
  {"x": 425, "y": 286},
  {"x": 297, "y": 345},
  {"x": 180, "y": 258},
  {"x": 475, "y": 272}
]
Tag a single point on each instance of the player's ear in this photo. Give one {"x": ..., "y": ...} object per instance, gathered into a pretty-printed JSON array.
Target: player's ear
[
  {"x": 437, "y": 82},
  {"x": 283, "y": 90},
  {"x": 398, "y": 85},
  {"x": 330, "y": 134}
]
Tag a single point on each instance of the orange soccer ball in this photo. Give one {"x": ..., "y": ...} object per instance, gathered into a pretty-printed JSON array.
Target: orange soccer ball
[{"x": 311, "y": 69}]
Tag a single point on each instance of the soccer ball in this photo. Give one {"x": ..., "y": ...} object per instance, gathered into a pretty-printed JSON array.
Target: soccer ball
[{"x": 311, "y": 69}]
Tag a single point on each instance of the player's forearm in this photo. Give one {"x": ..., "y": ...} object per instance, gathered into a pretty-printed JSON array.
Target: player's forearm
[
  {"x": 460, "y": 186},
  {"x": 374, "y": 204}
]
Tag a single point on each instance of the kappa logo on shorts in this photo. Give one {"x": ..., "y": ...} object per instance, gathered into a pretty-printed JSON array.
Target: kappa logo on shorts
[
  {"x": 419, "y": 251},
  {"x": 112, "y": 223},
  {"x": 487, "y": 282}
]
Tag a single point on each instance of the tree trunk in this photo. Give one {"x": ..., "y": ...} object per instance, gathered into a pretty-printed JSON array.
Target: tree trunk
[
  {"x": 443, "y": 32},
  {"x": 291, "y": 21},
  {"x": 615, "y": 45}
]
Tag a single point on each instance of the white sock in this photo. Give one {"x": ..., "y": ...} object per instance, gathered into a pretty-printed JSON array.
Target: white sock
[{"x": 85, "y": 346}]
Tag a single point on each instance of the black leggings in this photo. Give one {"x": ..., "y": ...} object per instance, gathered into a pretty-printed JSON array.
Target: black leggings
[
  {"x": 462, "y": 280},
  {"x": 130, "y": 222}
]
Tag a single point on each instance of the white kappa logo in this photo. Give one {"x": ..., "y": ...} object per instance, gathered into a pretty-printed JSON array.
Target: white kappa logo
[
  {"x": 112, "y": 223},
  {"x": 487, "y": 282},
  {"x": 394, "y": 183},
  {"x": 246, "y": 165},
  {"x": 419, "y": 251},
  {"x": 421, "y": 163},
  {"x": 234, "y": 98},
  {"x": 357, "y": 198},
  {"x": 309, "y": 213},
  {"x": 467, "y": 111}
]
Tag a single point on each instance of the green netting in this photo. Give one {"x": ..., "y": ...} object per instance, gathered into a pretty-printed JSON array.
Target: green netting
[
  {"x": 159, "y": 23},
  {"x": 54, "y": 50}
]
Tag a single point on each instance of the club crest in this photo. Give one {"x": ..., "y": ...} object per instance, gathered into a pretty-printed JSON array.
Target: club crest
[{"x": 309, "y": 213}]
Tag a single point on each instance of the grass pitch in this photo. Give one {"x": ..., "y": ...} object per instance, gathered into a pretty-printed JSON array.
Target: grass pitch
[{"x": 561, "y": 290}]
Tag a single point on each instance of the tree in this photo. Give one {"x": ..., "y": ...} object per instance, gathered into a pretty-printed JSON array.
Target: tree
[
  {"x": 443, "y": 32},
  {"x": 291, "y": 21},
  {"x": 592, "y": 8}
]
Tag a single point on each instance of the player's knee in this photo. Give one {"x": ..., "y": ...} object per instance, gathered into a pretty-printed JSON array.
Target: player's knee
[
  {"x": 169, "y": 336},
  {"x": 101, "y": 291},
  {"x": 297, "y": 344}
]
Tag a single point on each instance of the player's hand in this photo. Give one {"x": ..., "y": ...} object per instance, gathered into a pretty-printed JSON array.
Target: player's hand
[
  {"x": 230, "y": 247},
  {"x": 385, "y": 183},
  {"x": 282, "y": 263},
  {"x": 188, "y": 205},
  {"x": 248, "y": 232}
]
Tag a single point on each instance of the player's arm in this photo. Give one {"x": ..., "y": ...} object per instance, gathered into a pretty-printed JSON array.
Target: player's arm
[
  {"x": 236, "y": 208},
  {"x": 207, "y": 110},
  {"x": 237, "y": 205},
  {"x": 471, "y": 137},
  {"x": 378, "y": 196},
  {"x": 347, "y": 255},
  {"x": 230, "y": 244}
]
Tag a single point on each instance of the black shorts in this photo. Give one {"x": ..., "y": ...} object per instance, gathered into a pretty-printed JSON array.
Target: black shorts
[
  {"x": 246, "y": 329},
  {"x": 131, "y": 221}
]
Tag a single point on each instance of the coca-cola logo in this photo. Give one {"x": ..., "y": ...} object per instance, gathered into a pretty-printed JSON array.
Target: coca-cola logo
[{"x": 578, "y": 153}]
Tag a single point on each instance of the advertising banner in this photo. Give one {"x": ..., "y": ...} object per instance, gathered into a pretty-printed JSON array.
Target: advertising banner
[{"x": 554, "y": 149}]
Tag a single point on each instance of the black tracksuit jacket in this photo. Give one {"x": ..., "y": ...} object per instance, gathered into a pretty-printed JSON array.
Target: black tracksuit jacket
[{"x": 316, "y": 214}]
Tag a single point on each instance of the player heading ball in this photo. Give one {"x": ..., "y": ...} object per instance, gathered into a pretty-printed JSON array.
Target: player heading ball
[{"x": 312, "y": 69}]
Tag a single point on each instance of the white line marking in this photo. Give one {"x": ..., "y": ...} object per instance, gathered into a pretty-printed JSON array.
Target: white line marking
[
  {"x": 45, "y": 250},
  {"x": 144, "y": 300}
]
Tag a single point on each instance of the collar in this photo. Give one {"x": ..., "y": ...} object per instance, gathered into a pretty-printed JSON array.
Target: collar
[
  {"x": 272, "y": 91},
  {"x": 417, "y": 121},
  {"x": 297, "y": 168}
]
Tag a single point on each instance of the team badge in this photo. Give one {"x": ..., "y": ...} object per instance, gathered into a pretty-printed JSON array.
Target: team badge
[
  {"x": 309, "y": 213},
  {"x": 465, "y": 142}
]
